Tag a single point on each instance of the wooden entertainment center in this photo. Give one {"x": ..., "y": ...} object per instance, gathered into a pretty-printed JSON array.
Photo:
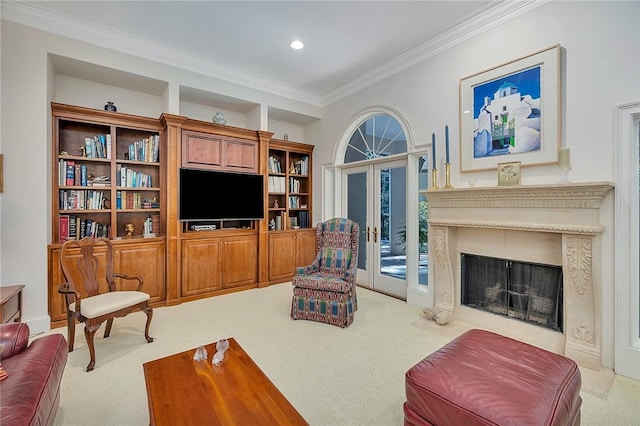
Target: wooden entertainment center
[{"x": 110, "y": 169}]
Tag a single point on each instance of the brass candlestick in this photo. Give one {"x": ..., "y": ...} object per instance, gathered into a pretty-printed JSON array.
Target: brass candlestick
[
  {"x": 447, "y": 171},
  {"x": 434, "y": 180}
]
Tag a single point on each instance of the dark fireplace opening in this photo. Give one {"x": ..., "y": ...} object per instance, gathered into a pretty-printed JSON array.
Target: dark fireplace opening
[{"x": 529, "y": 292}]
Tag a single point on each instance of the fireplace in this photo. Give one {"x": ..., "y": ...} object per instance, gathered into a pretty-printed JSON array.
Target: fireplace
[
  {"x": 529, "y": 292},
  {"x": 555, "y": 225}
]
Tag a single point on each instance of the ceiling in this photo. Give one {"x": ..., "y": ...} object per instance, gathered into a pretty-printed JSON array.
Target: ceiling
[{"x": 347, "y": 43}]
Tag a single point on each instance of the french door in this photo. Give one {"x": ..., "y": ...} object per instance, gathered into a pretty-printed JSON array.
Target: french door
[{"x": 375, "y": 198}]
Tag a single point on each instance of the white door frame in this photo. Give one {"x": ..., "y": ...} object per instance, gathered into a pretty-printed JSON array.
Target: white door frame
[{"x": 627, "y": 283}]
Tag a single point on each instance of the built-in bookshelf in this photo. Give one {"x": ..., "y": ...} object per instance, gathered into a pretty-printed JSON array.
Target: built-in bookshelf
[
  {"x": 108, "y": 173},
  {"x": 289, "y": 185}
]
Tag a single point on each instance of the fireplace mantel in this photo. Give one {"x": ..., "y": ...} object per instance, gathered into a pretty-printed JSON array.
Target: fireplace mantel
[{"x": 561, "y": 222}]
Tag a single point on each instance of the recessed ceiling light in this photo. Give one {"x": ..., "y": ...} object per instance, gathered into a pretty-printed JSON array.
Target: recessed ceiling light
[{"x": 296, "y": 44}]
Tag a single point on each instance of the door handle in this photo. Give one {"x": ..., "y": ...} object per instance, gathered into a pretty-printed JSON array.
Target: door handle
[
  {"x": 368, "y": 230},
  {"x": 375, "y": 234}
]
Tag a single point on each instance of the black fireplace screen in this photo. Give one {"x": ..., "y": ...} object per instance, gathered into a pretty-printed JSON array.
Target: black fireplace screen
[{"x": 529, "y": 292}]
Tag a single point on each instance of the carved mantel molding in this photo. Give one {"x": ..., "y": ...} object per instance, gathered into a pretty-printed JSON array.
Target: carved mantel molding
[{"x": 569, "y": 209}]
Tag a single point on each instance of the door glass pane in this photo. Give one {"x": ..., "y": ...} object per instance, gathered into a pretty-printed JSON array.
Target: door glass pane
[
  {"x": 378, "y": 136},
  {"x": 392, "y": 232},
  {"x": 357, "y": 210},
  {"x": 423, "y": 225}
]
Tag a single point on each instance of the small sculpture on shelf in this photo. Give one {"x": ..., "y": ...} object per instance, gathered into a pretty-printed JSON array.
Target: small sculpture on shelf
[
  {"x": 110, "y": 107},
  {"x": 219, "y": 118},
  {"x": 128, "y": 230},
  {"x": 276, "y": 204}
]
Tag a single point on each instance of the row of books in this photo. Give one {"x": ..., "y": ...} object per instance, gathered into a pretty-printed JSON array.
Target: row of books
[
  {"x": 274, "y": 165},
  {"x": 130, "y": 178},
  {"x": 277, "y": 184},
  {"x": 97, "y": 146},
  {"x": 151, "y": 225},
  {"x": 72, "y": 227},
  {"x": 72, "y": 174},
  {"x": 82, "y": 199},
  {"x": 147, "y": 150},
  {"x": 294, "y": 202},
  {"x": 303, "y": 219},
  {"x": 133, "y": 200},
  {"x": 295, "y": 185},
  {"x": 300, "y": 167}
]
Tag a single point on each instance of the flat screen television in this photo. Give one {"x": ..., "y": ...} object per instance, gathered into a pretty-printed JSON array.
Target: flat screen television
[{"x": 207, "y": 195}]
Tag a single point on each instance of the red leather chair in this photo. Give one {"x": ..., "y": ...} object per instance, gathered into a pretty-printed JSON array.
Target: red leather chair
[{"x": 30, "y": 394}]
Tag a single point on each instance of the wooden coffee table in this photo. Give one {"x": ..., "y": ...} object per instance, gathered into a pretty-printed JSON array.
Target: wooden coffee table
[{"x": 182, "y": 391}]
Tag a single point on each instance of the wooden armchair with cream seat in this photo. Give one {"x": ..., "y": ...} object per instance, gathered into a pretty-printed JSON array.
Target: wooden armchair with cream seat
[{"x": 90, "y": 290}]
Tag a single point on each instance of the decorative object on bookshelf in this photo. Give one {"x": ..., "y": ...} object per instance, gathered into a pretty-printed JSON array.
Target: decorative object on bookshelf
[
  {"x": 276, "y": 204},
  {"x": 219, "y": 118},
  {"x": 128, "y": 230},
  {"x": 110, "y": 107},
  {"x": 285, "y": 137}
]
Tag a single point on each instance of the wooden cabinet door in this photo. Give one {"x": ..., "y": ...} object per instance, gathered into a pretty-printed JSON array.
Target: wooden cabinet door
[
  {"x": 201, "y": 271},
  {"x": 201, "y": 150},
  {"x": 145, "y": 260},
  {"x": 240, "y": 261},
  {"x": 282, "y": 258},
  {"x": 207, "y": 151},
  {"x": 57, "y": 307},
  {"x": 305, "y": 247},
  {"x": 241, "y": 155}
]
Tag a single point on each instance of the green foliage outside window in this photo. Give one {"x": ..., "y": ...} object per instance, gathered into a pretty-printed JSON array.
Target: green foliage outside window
[{"x": 423, "y": 227}]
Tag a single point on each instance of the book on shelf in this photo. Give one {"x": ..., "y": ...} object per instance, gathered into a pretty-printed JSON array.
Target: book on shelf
[
  {"x": 274, "y": 165},
  {"x": 303, "y": 217},
  {"x": 76, "y": 175},
  {"x": 155, "y": 224},
  {"x": 277, "y": 183},
  {"x": 71, "y": 172},
  {"x": 73, "y": 234},
  {"x": 108, "y": 138},
  {"x": 63, "y": 227}
]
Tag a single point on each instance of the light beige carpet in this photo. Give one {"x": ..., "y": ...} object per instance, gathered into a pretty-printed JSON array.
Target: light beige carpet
[{"x": 333, "y": 376}]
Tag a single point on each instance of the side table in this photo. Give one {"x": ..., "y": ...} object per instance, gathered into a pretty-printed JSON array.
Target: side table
[{"x": 11, "y": 300}]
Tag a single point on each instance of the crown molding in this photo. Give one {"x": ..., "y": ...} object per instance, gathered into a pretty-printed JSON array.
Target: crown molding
[
  {"x": 493, "y": 15},
  {"x": 33, "y": 16}
]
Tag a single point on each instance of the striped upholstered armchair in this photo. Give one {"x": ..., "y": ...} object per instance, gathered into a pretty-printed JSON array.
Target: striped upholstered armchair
[{"x": 325, "y": 291}]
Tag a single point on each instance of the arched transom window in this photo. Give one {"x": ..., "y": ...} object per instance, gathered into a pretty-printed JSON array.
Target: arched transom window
[{"x": 379, "y": 135}]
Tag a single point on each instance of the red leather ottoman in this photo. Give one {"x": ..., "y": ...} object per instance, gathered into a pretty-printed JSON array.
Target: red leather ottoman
[{"x": 483, "y": 378}]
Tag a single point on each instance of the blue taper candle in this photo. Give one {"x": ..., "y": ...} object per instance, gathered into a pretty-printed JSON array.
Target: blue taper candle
[
  {"x": 446, "y": 141},
  {"x": 433, "y": 149}
]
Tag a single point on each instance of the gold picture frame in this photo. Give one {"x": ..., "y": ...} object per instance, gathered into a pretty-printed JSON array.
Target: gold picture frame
[
  {"x": 509, "y": 173},
  {"x": 512, "y": 112}
]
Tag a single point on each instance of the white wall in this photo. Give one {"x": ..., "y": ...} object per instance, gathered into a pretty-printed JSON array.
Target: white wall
[{"x": 600, "y": 69}]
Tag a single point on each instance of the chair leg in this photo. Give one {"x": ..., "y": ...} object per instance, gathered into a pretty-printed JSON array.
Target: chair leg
[
  {"x": 149, "y": 311},
  {"x": 71, "y": 330},
  {"x": 107, "y": 330},
  {"x": 89, "y": 333}
]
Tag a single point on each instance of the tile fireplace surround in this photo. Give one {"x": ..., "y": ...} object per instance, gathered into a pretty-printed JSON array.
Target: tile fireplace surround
[{"x": 549, "y": 224}]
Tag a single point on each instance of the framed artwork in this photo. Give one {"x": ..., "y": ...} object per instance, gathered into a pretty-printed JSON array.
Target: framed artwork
[{"x": 511, "y": 112}]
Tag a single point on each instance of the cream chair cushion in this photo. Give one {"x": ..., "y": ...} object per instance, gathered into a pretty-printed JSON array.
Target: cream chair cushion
[{"x": 105, "y": 303}]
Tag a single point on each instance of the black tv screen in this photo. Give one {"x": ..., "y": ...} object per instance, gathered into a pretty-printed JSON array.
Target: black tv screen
[{"x": 212, "y": 195}]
